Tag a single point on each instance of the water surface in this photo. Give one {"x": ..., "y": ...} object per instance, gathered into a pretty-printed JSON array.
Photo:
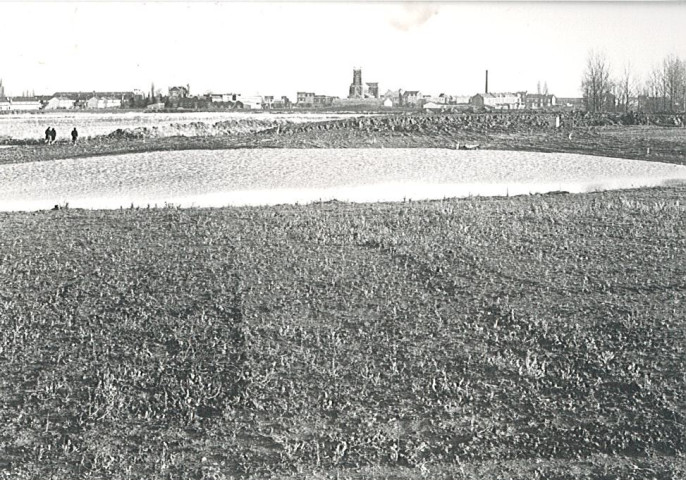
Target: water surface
[{"x": 215, "y": 178}]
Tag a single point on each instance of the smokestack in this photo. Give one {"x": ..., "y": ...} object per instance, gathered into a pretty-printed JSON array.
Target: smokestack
[{"x": 486, "y": 82}]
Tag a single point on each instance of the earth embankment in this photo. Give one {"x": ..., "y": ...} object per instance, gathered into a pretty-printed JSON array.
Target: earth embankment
[
  {"x": 199, "y": 129},
  {"x": 643, "y": 137}
]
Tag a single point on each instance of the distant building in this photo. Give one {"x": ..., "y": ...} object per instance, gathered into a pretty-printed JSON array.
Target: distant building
[
  {"x": 388, "y": 102},
  {"x": 442, "y": 99},
  {"x": 67, "y": 100},
  {"x": 224, "y": 97},
  {"x": 537, "y": 101},
  {"x": 99, "y": 102},
  {"x": 631, "y": 104},
  {"x": 179, "y": 92},
  {"x": 76, "y": 100},
  {"x": 451, "y": 99},
  {"x": 648, "y": 104},
  {"x": 252, "y": 102},
  {"x": 411, "y": 97},
  {"x": 59, "y": 102},
  {"x": 135, "y": 99},
  {"x": 356, "y": 89},
  {"x": 498, "y": 101},
  {"x": 180, "y": 98},
  {"x": 362, "y": 90},
  {"x": 372, "y": 90},
  {"x": 305, "y": 99},
  {"x": 323, "y": 100},
  {"x": 189, "y": 103},
  {"x": 25, "y": 104},
  {"x": 43, "y": 99},
  {"x": 20, "y": 103},
  {"x": 571, "y": 103},
  {"x": 434, "y": 107},
  {"x": 283, "y": 102},
  {"x": 395, "y": 96}
]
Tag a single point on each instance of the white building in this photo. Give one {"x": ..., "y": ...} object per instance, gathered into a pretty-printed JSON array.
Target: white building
[
  {"x": 60, "y": 103},
  {"x": 434, "y": 107},
  {"x": 451, "y": 99},
  {"x": 25, "y": 104},
  {"x": 252, "y": 102},
  {"x": 535, "y": 101},
  {"x": 498, "y": 101},
  {"x": 225, "y": 97},
  {"x": 103, "y": 102}
]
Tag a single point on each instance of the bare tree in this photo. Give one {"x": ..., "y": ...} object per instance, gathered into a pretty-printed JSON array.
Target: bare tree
[
  {"x": 544, "y": 90},
  {"x": 596, "y": 83},
  {"x": 654, "y": 91},
  {"x": 666, "y": 87},
  {"x": 673, "y": 81},
  {"x": 626, "y": 87}
]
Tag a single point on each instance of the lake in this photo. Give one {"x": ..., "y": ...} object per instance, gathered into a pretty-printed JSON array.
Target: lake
[{"x": 215, "y": 178}]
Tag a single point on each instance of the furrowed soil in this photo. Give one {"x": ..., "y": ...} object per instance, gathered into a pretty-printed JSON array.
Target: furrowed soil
[
  {"x": 484, "y": 338},
  {"x": 660, "y": 140}
]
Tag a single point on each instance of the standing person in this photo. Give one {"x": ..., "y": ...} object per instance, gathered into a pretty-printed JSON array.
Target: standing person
[
  {"x": 74, "y": 135},
  {"x": 53, "y": 135},
  {"x": 48, "y": 134}
]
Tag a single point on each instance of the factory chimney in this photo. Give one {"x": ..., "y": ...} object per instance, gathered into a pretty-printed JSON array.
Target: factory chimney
[{"x": 486, "y": 82}]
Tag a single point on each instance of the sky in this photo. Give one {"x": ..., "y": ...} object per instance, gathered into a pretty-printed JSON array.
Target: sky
[{"x": 281, "y": 48}]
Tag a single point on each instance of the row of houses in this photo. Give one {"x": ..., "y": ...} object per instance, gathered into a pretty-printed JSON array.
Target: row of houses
[
  {"x": 415, "y": 99},
  {"x": 534, "y": 101},
  {"x": 71, "y": 100},
  {"x": 392, "y": 98},
  {"x": 310, "y": 99},
  {"x": 513, "y": 101},
  {"x": 179, "y": 99}
]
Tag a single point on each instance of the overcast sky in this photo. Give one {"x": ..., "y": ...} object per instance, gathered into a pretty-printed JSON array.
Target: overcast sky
[{"x": 280, "y": 48}]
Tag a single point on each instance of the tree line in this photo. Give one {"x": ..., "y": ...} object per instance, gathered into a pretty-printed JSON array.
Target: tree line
[{"x": 663, "y": 90}]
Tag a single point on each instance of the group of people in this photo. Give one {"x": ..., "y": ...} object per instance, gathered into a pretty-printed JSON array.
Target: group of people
[{"x": 51, "y": 135}]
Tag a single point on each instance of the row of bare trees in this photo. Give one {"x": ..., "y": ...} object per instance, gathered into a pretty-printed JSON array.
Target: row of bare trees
[
  {"x": 664, "y": 90},
  {"x": 667, "y": 85}
]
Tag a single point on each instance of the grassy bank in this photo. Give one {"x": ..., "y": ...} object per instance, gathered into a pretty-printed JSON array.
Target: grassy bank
[{"x": 528, "y": 337}]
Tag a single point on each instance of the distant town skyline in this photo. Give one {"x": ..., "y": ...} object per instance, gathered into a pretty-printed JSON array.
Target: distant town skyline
[{"x": 285, "y": 47}]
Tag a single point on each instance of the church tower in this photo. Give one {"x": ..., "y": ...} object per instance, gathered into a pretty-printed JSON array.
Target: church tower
[{"x": 356, "y": 90}]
